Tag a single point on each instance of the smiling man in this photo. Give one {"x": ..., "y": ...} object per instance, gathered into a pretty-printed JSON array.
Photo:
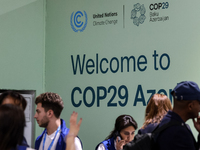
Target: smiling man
[{"x": 49, "y": 108}]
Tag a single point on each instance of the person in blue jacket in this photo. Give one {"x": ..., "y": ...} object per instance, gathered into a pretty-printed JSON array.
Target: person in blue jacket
[
  {"x": 156, "y": 109},
  {"x": 186, "y": 96},
  {"x": 122, "y": 134},
  {"x": 49, "y": 108},
  {"x": 12, "y": 123}
]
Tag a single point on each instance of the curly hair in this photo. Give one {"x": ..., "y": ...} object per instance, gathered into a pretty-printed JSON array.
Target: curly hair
[
  {"x": 156, "y": 109},
  {"x": 51, "y": 101},
  {"x": 18, "y": 98}
]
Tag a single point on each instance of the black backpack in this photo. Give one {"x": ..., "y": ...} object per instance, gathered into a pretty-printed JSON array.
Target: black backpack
[{"x": 147, "y": 141}]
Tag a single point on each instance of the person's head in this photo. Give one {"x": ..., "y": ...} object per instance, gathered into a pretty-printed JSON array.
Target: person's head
[
  {"x": 49, "y": 105},
  {"x": 187, "y": 98},
  {"x": 12, "y": 122},
  {"x": 125, "y": 127},
  {"x": 156, "y": 109},
  {"x": 12, "y": 97}
]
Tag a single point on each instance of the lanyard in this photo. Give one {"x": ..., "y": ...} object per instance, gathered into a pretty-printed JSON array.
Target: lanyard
[{"x": 52, "y": 140}]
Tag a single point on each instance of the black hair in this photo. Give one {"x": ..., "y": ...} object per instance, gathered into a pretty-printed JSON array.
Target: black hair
[
  {"x": 122, "y": 122},
  {"x": 18, "y": 98},
  {"x": 12, "y": 123}
]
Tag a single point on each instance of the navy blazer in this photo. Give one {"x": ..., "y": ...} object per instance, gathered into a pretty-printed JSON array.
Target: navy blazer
[
  {"x": 176, "y": 137},
  {"x": 148, "y": 129}
]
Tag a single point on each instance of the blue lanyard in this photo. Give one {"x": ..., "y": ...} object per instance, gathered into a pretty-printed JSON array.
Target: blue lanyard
[{"x": 52, "y": 140}]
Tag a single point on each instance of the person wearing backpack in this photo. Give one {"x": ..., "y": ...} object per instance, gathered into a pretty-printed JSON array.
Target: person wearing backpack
[
  {"x": 156, "y": 109},
  {"x": 186, "y": 96},
  {"x": 122, "y": 134}
]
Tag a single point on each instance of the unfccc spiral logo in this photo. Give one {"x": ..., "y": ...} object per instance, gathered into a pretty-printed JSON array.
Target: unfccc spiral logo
[
  {"x": 78, "y": 21},
  {"x": 141, "y": 9}
]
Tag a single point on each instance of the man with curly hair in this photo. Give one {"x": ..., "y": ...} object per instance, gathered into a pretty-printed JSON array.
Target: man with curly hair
[{"x": 49, "y": 108}]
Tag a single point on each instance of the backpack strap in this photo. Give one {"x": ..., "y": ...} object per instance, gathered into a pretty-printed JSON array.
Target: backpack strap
[
  {"x": 163, "y": 127},
  {"x": 147, "y": 141}
]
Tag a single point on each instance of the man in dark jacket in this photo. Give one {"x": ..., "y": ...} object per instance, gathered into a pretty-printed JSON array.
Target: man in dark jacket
[{"x": 186, "y": 106}]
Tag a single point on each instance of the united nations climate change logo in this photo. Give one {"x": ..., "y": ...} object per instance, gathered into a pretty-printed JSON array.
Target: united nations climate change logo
[
  {"x": 78, "y": 21},
  {"x": 141, "y": 9}
]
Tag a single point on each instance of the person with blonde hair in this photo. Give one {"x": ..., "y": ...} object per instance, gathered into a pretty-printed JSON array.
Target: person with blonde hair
[{"x": 157, "y": 108}]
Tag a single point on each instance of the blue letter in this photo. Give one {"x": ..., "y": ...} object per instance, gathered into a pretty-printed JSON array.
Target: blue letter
[
  {"x": 142, "y": 99},
  {"x": 162, "y": 91},
  {"x": 104, "y": 59},
  {"x": 152, "y": 93},
  {"x": 155, "y": 55},
  {"x": 87, "y": 66},
  {"x": 78, "y": 62},
  {"x": 168, "y": 62},
  {"x": 128, "y": 61},
  {"x": 114, "y": 71},
  {"x": 72, "y": 97},
  {"x": 98, "y": 94},
  {"x": 144, "y": 62},
  {"x": 93, "y": 97}
]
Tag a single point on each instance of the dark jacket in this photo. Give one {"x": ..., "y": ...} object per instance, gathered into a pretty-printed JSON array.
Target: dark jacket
[
  {"x": 148, "y": 129},
  {"x": 20, "y": 148},
  {"x": 176, "y": 137},
  {"x": 23, "y": 146}
]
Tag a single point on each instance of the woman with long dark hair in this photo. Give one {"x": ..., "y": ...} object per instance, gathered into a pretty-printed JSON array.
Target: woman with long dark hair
[
  {"x": 12, "y": 123},
  {"x": 122, "y": 134},
  {"x": 13, "y": 97}
]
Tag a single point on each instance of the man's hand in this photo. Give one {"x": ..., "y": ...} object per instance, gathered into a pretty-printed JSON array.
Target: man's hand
[
  {"x": 73, "y": 131},
  {"x": 197, "y": 123},
  {"x": 74, "y": 127}
]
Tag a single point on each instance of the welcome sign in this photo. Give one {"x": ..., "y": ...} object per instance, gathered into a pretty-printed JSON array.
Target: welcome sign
[
  {"x": 112, "y": 56},
  {"x": 114, "y": 65}
]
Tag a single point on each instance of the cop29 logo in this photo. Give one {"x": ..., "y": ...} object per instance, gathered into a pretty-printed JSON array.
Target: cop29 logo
[
  {"x": 163, "y": 5},
  {"x": 78, "y": 21},
  {"x": 141, "y": 9}
]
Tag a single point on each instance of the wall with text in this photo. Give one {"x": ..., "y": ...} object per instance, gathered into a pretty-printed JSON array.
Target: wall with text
[
  {"x": 22, "y": 28},
  {"x": 107, "y": 58}
]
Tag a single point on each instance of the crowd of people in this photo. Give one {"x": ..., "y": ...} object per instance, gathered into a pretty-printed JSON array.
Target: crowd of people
[{"x": 56, "y": 136}]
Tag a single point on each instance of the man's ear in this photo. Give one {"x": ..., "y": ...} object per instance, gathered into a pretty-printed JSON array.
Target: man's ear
[
  {"x": 190, "y": 105},
  {"x": 50, "y": 113}
]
